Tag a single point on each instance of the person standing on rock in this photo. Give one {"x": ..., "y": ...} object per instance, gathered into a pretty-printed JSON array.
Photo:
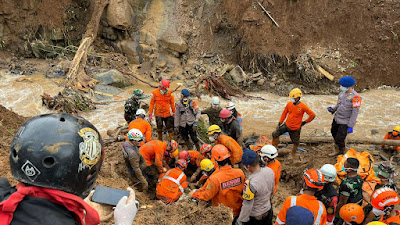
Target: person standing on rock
[
  {"x": 213, "y": 112},
  {"x": 187, "y": 119},
  {"x": 133, "y": 104},
  {"x": 162, "y": 103},
  {"x": 134, "y": 161},
  {"x": 257, "y": 192},
  {"x": 141, "y": 124},
  {"x": 293, "y": 113},
  {"x": 346, "y": 112}
]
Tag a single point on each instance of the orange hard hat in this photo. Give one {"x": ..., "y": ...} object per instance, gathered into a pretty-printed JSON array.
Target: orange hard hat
[
  {"x": 184, "y": 155},
  {"x": 220, "y": 152},
  {"x": 314, "y": 179},
  {"x": 205, "y": 148},
  {"x": 352, "y": 213},
  {"x": 225, "y": 113},
  {"x": 384, "y": 197}
]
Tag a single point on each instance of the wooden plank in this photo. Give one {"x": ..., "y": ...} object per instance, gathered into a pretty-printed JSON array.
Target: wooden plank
[{"x": 325, "y": 73}]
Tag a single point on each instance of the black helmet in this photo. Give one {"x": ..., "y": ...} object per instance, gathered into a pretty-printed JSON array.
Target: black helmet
[{"x": 58, "y": 151}]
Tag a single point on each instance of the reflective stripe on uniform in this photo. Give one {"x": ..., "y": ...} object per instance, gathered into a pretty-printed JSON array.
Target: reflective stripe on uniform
[
  {"x": 279, "y": 221},
  {"x": 292, "y": 201},
  {"x": 176, "y": 181},
  {"x": 320, "y": 211}
]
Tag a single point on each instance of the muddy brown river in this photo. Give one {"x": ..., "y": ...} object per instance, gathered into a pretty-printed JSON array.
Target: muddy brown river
[{"x": 379, "y": 110}]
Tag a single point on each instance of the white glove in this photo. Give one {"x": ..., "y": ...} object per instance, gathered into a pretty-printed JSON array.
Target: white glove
[{"x": 126, "y": 209}]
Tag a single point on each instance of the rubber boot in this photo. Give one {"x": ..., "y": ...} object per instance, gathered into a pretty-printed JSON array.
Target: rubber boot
[
  {"x": 275, "y": 142},
  {"x": 197, "y": 145},
  {"x": 171, "y": 135},
  {"x": 160, "y": 133},
  {"x": 294, "y": 149},
  {"x": 335, "y": 152}
]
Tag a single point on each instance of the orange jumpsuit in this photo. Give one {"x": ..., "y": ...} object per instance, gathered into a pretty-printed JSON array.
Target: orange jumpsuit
[
  {"x": 195, "y": 157},
  {"x": 295, "y": 117},
  {"x": 277, "y": 168},
  {"x": 143, "y": 126},
  {"x": 306, "y": 201},
  {"x": 390, "y": 136},
  {"x": 171, "y": 185},
  {"x": 153, "y": 153},
  {"x": 233, "y": 147},
  {"x": 224, "y": 187},
  {"x": 161, "y": 104}
]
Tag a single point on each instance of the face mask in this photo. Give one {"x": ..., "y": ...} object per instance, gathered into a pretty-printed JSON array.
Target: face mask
[
  {"x": 212, "y": 139},
  {"x": 378, "y": 212},
  {"x": 163, "y": 92},
  {"x": 343, "y": 88},
  {"x": 293, "y": 100}
]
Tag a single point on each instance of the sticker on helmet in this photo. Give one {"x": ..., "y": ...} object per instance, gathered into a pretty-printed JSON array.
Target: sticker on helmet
[
  {"x": 30, "y": 170},
  {"x": 90, "y": 148}
]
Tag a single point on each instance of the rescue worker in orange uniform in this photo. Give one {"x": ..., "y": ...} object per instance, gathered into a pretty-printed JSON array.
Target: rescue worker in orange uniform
[
  {"x": 352, "y": 214},
  {"x": 193, "y": 158},
  {"x": 226, "y": 185},
  {"x": 205, "y": 151},
  {"x": 268, "y": 155},
  {"x": 141, "y": 124},
  {"x": 384, "y": 201},
  {"x": 393, "y": 135},
  {"x": 236, "y": 152},
  {"x": 162, "y": 103},
  {"x": 207, "y": 169},
  {"x": 293, "y": 113},
  {"x": 313, "y": 182},
  {"x": 153, "y": 153},
  {"x": 171, "y": 185}
]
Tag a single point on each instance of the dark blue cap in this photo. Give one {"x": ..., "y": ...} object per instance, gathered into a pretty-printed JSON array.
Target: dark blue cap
[
  {"x": 248, "y": 157},
  {"x": 298, "y": 215},
  {"x": 185, "y": 93},
  {"x": 347, "y": 81}
]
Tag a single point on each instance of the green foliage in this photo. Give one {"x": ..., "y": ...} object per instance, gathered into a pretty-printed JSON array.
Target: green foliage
[
  {"x": 353, "y": 64},
  {"x": 202, "y": 131}
]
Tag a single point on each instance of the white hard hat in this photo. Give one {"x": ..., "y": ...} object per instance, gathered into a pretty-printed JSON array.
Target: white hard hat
[
  {"x": 329, "y": 172},
  {"x": 215, "y": 101},
  {"x": 140, "y": 112},
  {"x": 268, "y": 151},
  {"x": 135, "y": 135},
  {"x": 230, "y": 106}
]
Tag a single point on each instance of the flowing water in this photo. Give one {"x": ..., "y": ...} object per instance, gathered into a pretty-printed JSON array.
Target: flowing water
[{"x": 379, "y": 110}]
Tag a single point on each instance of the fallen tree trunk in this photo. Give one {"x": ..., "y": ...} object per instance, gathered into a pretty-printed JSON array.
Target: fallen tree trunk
[{"x": 319, "y": 139}]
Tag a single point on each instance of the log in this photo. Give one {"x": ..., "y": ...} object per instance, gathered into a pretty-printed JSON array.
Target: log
[
  {"x": 325, "y": 73},
  {"x": 323, "y": 139}
]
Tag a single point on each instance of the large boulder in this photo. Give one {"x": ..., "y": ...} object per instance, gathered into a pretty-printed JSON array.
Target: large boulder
[
  {"x": 113, "y": 78},
  {"x": 120, "y": 14},
  {"x": 129, "y": 48},
  {"x": 238, "y": 75},
  {"x": 107, "y": 90},
  {"x": 174, "y": 43}
]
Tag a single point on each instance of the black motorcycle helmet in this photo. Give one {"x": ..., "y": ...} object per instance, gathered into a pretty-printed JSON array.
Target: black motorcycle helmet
[{"x": 58, "y": 151}]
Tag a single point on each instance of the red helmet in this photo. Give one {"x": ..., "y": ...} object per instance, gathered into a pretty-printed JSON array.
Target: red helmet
[
  {"x": 181, "y": 163},
  {"x": 184, "y": 155},
  {"x": 205, "y": 148},
  {"x": 225, "y": 113},
  {"x": 220, "y": 152},
  {"x": 314, "y": 179},
  {"x": 164, "y": 84}
]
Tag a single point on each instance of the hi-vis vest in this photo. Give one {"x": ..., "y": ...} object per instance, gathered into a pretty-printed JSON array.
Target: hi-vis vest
[
  {"x": 170, "y": 192},
  {"x": 317, "y": 221}
]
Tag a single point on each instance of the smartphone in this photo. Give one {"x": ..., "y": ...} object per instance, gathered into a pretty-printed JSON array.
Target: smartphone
[{"x": 109, "y": 196}]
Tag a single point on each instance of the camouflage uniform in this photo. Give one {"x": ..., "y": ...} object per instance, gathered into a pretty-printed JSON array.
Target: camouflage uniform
[
  {"x": 213, "y": 115},
  {"x": 352, "y": 187},
  {"x": 131, "y": 106}
]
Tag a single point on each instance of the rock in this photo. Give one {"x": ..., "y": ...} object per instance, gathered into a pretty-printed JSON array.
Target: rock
[
  {"x": 172, "y": 61},
  {"x": 109, "y": 33},
  {"x": 113, "y": 78},
  {"x": 159, "y": 63},
  {"x": 53, "y": 73},
  {"x": 106, "y": 89},
  {"x": 237, "y": 74},
  {"x": 120, "y": 14},
  {"x": 145, "y": 49},
  {"x": 64, "y": 65},
  {"x": 173, "y": 43},
  {"x": 374, "y": 131},
  {"x": 272, "y": 85},
  {"x": 260, "y": 82},
  {"x": 129, "y": 48}
]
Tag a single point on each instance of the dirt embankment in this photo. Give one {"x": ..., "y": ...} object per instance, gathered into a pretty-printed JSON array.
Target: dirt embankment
[{"x": 364, "y": 32}]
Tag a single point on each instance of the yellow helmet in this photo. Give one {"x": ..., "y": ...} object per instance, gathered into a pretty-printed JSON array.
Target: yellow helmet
[
  {"x": 397, "y": 128},
  {"x": 206, "y": 165},
  {"x": 214, "y": 129},
  {"x": 376, "y": 223},
  {"x": 295, "y": 93}
]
